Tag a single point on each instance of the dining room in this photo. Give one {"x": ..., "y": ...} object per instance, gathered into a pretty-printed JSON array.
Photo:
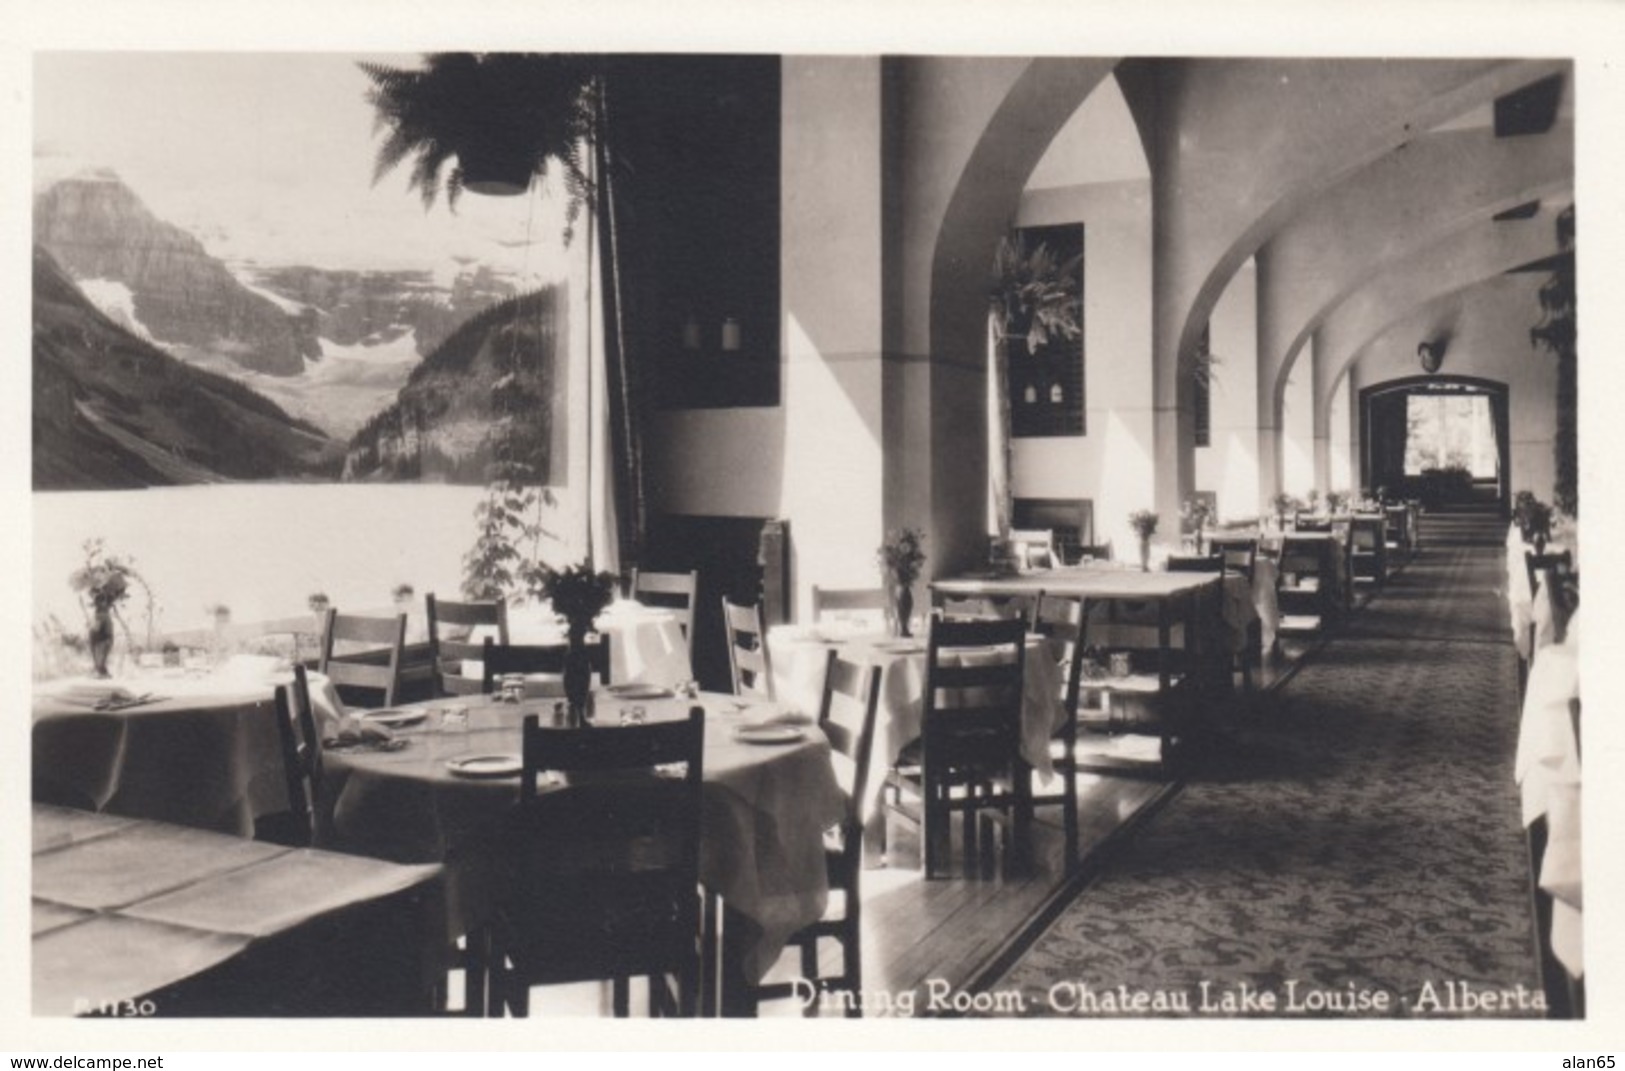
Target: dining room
[{"x": 805, "y": 536}]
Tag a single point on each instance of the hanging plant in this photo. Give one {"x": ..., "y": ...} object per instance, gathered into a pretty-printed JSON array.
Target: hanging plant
[
  {"x": 1034, "y": 299},
  {"x": 488, "y": 122},
  {"x": 1557, "y": 334}
]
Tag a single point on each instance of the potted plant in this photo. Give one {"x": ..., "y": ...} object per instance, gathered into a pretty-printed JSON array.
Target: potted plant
[
  {"x": 1144, "y": 523},
  {"x": 1534, "y": 520},
  {"x": 105, "y": 581},
  {"x": 1034, "y": 298},
  {"x": 901, "y": 556},
  {"x": 578, "y": 594}
]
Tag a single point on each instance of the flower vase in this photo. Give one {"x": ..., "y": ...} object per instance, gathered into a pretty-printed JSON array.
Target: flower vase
[
  {"x": 903, "y": 608},
  {"x": 1145, "y": 554},
  {"x": 577, "y": 675},
  {"x": 100, "y": 639}
]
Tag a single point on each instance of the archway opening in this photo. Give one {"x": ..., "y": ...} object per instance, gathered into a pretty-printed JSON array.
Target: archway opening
[{"x": 1436, "y": 438}]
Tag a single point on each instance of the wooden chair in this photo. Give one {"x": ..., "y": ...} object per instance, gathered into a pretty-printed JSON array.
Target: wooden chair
[
  {"x": 1240, "y": 556},
  {"x": 449, "y": 651},
  {"x": 504, "y": 658},
  {"x": 846, "y": 714},
  {"x": 1100, "y": 552},
  {"x": 1034, "y": 548},
  {"x": 669, "y": 591},
  {"x": 842, "y": 601},
  {"x": 301, "y": 768},
  {"x": 1061, "y": 619},
  {"x": 1195, "y": 563},
  {"x": 970, "y": 737},
  {"x": 376, "y": 668},
  {"x": 600, "y": 880},
  {"x": 747, "y": 649}
]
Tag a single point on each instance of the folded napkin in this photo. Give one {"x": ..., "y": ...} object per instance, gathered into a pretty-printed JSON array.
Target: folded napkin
[
  {"x": 353, "y": 732},
  {"x": 90, "y": 692},
  {"x": 777, "y": 718}
]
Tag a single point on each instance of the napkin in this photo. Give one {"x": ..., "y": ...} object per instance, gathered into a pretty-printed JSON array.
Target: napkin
[
  {"x": 92, "y": 693},
  {"x": 353, "y": 732},
  {"x": 777, "y": 718}
]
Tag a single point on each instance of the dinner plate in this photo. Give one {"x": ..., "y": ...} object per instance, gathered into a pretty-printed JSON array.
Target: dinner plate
[
  {"x": 395, "y": 719},
  {"x": 486, "y": 766},
  {"x": 639, "y": 691},
  {"x": 769, "y": 734}
]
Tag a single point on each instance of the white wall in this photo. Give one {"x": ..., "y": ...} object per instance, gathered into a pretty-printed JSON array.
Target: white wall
[
  {"x": 1298, "y": 430},
  {"x": 1229, "y": 466},
  {"x": 1112, "y": 462}
]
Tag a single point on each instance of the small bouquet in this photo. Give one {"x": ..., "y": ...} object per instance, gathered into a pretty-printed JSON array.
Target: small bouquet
[
  {"x": 1144, "y": 523},
  {"x": 1534, "y": 519},
  {"x": 104, "y": 578},
  {"x": 902, "y": 556},
  {"x": 1337, "y": 501},
  {"x": 318, "y": 602},
  {"x": 578, "y": 594}
]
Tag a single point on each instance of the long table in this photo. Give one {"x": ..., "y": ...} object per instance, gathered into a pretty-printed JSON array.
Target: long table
[{"x": 132, "y": 917}]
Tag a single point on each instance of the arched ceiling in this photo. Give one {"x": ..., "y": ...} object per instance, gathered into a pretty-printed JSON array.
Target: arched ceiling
[{"x": 1385, "y": 215}]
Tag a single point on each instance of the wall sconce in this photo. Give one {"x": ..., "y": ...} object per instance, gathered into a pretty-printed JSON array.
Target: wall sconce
[
  {"x": 730, "y": 335},
  {"x": 1431, "y": 354}
]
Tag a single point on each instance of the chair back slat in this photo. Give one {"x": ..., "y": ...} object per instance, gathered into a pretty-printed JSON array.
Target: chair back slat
[
  {"x": 377, "y": 668},
  {"x": 451, "y": 624},
  {"x": 847, "y": 715},
  {"x": 503, "y": 658},
  {"x": 747, "y": 649},
  {"x": 669, "y": 591},
  {"x": 1195, "y": 563},
  {"x": 984, "y": 696}
]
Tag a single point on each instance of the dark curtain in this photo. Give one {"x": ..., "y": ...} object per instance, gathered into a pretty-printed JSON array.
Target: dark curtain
[
  {"x": 1385, "y": 435},
  {"x": 619, "y": 301}
]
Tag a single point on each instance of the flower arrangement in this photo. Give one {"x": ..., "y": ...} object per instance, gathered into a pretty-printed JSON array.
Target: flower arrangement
[
  {"x": 1284, "y": 504},
  {"x": 1144, "y": 523},
  {"x": 1313, "y": 501},
  {"x": 577, "y": 593},
  {"x": 402, "y": 593},
  {"x": 104, "y": 578},
  {"x": 220, "y": 612},
  {"x": 902, "y": 555},
  {"x": 318, "y": 602},
  {"x": 1337, "y": 501}
]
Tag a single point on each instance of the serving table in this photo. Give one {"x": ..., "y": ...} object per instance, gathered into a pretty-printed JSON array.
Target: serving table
[
  {"x": 132, "y": 917},
  {"x": 202, "y": 750},
  {"x": 766, "y": 808}
]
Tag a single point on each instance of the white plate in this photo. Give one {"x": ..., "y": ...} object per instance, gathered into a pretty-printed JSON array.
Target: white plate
[
  {"x": 487, "y": 766},
  {"x": 770, "y": 734},
  {"x": 395, "y": 719},
  {"x": 639, "y": 691}
]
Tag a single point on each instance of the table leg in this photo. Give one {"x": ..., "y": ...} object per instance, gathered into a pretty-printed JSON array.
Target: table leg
[{"x": 738, "y": 990}]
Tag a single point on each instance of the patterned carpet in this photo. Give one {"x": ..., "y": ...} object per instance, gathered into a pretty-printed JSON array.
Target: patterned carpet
[{"x": 1353, "y": 849}]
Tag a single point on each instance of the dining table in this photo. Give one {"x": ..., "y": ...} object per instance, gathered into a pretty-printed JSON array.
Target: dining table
[
  {"x": 136, "y": 918},
  {"x": 799, "y": 655},
  {"x": 193, "y": 745},
  {"x": 451, "y": 770}
]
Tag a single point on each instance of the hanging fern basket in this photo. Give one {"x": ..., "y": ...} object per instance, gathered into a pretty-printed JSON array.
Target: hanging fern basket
[{"x": 494, "y": 169}]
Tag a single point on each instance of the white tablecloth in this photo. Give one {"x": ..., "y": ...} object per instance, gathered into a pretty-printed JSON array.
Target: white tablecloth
[
  {"x": 1547, "y": 769},
  {"x": 766, "y": 808},
  {"x": 799, "y": 655},
  {"x": 203, "y": 752}
]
